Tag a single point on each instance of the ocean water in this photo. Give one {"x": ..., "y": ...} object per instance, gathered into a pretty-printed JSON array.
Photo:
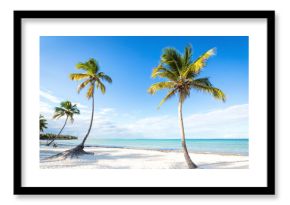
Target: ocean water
[{"x": 218, "y": 146}]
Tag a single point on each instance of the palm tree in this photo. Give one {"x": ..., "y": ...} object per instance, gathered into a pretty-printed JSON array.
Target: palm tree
[
  {"x": 182, "y": 74},
  {"x": 66, "y": 109},
  {"x": 42, "y": 123},
  {"x": 92, "y": 78}
]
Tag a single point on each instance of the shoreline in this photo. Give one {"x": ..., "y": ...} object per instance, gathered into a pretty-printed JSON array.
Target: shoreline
[
  {"x": 163, "y": 150},
  {"x": 132, "y": 158},
  {"x": 153, "y": 149}
]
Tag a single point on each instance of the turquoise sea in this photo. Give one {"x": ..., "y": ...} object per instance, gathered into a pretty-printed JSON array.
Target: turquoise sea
[{"x": 218, "y": 146}]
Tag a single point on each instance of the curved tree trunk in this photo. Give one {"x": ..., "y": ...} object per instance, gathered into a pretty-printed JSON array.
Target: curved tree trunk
[
  {"x": 189, "y": 162},
  {"x": 78, "y": 150},
  {"x": 58, "y": 133},
  {"x": 92, "y": 119}
]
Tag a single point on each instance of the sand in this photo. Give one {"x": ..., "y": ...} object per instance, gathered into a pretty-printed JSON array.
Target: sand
[{"x": 123, "y": 158}]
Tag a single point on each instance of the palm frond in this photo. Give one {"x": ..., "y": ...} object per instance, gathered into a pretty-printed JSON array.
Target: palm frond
[
  {"x": 75, "y": 110},
  {"x": 182, "y": 72},
  {"x": 59, "y": 109},
  {"x": 187, "y": 56},
  {"x": 162, "y": 72},
  {"x": 159, "y": 86},
  {"x": 79, "y": 76},
  {"x": 215, "y": 92},
  {"x": 66, "y": 108},
  {"x": 172, "y": 58},
  {"x": 66, "y": 105},
  {"x": 100, "y": 85},
  {"x": 58, "y": 115},
  {"x": 83, "y": 66},
  {"x": 71, "y": 118},
  {"x": 90, "y": 91},
  {"x": 199, "y": 64},
  {"x": 91, "y": 66},
  {"x": 83, "y": 84},
  {"x": 92, "y": 76},
  {"x": 94, "y": 66},
  {"x": 203, "y": 81},
  {"x": 169, "y": 95},
  {"x": 104, "y": 77}
]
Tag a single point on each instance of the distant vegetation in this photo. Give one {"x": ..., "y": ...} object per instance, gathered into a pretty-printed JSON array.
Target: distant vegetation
[{"x": 49, "y": 136}]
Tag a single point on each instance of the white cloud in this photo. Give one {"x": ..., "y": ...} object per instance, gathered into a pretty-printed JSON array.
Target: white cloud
[
  {"x": 45, "y": 107},
  {"x": 80, "y": 106},
  {"x": 231, "y": 122},
  {"x": 56, "y": 100},
  {"x": 153, "y": 127},
  {"x": 49, "y": 97}
]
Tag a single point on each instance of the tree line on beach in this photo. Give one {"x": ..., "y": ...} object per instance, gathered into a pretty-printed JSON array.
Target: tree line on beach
[
  {"x": 50, "y": 136},
  {"x": 179, "y": 71}
]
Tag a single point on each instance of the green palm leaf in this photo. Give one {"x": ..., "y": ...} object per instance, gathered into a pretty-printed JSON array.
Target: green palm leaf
[
  {"x": 181, "y": 72},
  {"x": 92, "y": 77},
  {"x": 203, "y": 81},
  {"x": 83, "y": 66},
  {"x": 100, "y": 86},
  {"x": 58, "y": 115},
  {"x": 169, "y": 95},
  {"x": 104, "y": 77},
  {"x": 199, "y": 64},
  {"x": 172, "y": 58},
  {"x": 90, "y": 92},
  {"x": 215, "y": 92},
  {"x": 159, "y": 86},
  {"x": 83, "y": 84},
  {"x": 78, "y": 76},
  {"x": 66, "y": 108},
  {"x": 187, "y": 56},
  {"x": 162, "y": 72}
]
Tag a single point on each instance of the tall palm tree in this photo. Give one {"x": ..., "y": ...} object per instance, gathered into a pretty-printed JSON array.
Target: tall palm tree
[
  {"x": 182, "y": 74},
  {"x": 42, "y": 123},
  {"x": 66, "y": 109},
  {"x": 92, "y": 78}
]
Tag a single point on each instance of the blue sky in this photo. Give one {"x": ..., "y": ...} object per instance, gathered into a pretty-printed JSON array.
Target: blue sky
[{"x": 127, "y": 110}]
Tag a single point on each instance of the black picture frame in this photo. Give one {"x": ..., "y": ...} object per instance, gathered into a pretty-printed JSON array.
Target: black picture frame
[{"x": 268, "y": 190}]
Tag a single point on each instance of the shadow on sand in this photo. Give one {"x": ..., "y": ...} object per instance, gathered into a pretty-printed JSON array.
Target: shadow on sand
[{"x": 223, "y": 165}]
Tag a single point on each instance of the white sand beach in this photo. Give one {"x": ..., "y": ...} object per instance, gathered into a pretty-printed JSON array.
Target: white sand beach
[{"x": 123, "y": 158}]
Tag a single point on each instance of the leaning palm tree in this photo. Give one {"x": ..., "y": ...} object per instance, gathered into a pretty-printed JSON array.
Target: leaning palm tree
[
  {"x": 182, "y": 74},
  {"x": 42, "y": 123},
  {"x": 92, "y": 77},
  {"x": 66, "y": 109}
]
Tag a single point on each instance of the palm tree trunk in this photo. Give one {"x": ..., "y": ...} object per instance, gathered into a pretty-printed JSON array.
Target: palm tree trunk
[
  {"x": 58, "y": 133},
  {"x": 189, "y": 162},
  {"x": 92, "y": 119}
]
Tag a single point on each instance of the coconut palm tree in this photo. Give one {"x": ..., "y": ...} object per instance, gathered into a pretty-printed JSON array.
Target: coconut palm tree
[
  {"x": 182, "y": 75},
  {"x": 66, "y": 109},
  {"x": 42, "y": 123},
  {"x": 93, "y": 80}
]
